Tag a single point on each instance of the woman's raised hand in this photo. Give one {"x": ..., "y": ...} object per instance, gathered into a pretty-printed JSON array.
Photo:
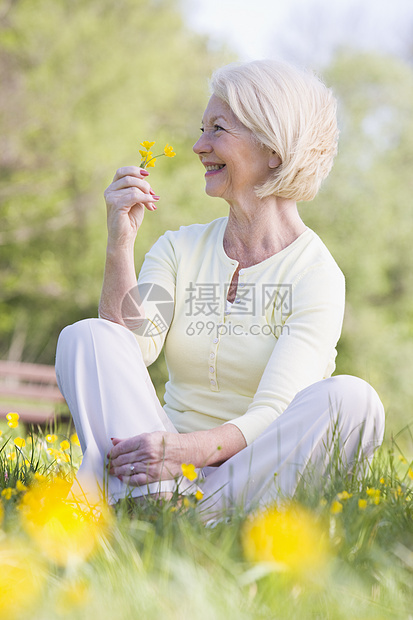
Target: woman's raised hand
[{"x": 126, "y": 199}]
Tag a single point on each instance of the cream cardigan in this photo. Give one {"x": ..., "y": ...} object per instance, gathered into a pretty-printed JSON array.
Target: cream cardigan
[{"x": 246, "y": 365}]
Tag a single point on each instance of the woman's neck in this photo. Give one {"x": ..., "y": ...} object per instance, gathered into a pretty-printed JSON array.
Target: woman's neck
[{"x": 254, "y": 234}]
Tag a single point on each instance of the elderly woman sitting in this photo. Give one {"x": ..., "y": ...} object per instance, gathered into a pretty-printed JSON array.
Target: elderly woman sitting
[{"x": 247, "y": 308}]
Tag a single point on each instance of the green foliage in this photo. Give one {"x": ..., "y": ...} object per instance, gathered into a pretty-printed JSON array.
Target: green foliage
[
  {"x": 363, "y": 215},
  {"x": 83, "y": 82}
]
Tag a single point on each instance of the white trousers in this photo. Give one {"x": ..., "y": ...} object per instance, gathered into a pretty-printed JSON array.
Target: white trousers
[{"x": 101, "y": 373}]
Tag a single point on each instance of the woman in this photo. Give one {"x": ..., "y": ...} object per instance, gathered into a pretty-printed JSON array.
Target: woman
[{"x": 248, "y": 308}]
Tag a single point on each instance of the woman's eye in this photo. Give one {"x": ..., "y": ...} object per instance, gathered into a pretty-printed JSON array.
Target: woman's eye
[
  {"x": 218, "y": 128},
  {"x": 201, "y": 129}
]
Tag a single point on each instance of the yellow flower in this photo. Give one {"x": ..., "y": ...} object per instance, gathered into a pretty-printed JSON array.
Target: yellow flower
[
  {"x": 187, "y": 503},
  {"x": 20, "y": 442},
  {"x": 199, "y": 495},
  {"x": 147, "y": 145},
  {"x": 11, "y": 456},
  {"x": 75, "y": 439},
  {"x": 374, "y": 494},
  {"x": 20, "y": 486},
  {"x": 64, "y": 530},
  {"x": 7, "y": 493},
  {"x": 22, "y": 579},
  {"x": 336, "y": 508},
  {"x": 1, "y": 433},
  {"x": 169, "y": 151},
  {"x": 151, "y": 163},
  {"x": 39, "y": 477},
  {"x": 189, "y": 471},
  {"x": 289, "y": 538},
  {"x": 51, "y": 438},
  {"x": 13, "y": 419},
  {"x": 362, "y": 504},
  {"x": 344, "y": 495},
  {"x": 410, "y": 473},
  {"x": 65, "y": 445},
  {"x": 382, "y": 481},
  {"x": 62, "y": 456}
]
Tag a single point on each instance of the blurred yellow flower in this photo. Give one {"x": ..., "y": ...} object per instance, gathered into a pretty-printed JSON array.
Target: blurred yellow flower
[
  {"x": 382, "y": 481},
  {"x": 362, "y": 504},
  {"x": 151, "y": 163},
  {"x": 20, "y": 442},
  {"x": 51, "y": 438},
  {"x": 147, "y": 145},
  {"x": 13, "y": 419},
  {"x": 169, "y": 151},
  {"x": 65, "y": 445},
  {"x": 290, "y": 538},
  {"x": 11, "y": 456},
  {"x": 75, "y": 439},
  {"x": 187, "y": 503},
  {"x": 20, "y": 486},
  {"x": 1, "y": 433},
  {"x": 410, "y": 473},
  {"x": 344, "y": 495},
  {"x": 199, "y": 495},
  {"x": 7, "y": 493},
  {"x": 64, "y": 530},
  {"x": 188, "y": 471},
  {"x": 336, "y": 508},
  {"x": 22, "y": 578}
]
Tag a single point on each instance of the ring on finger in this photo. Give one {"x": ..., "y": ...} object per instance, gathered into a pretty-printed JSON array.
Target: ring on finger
[{"x": 132, "y": 467}]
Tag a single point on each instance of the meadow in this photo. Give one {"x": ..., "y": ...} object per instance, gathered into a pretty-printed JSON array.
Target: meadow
[{"x": 343, "y": 549}]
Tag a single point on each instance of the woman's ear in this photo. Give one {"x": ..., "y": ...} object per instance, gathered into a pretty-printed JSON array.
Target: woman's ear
[{"x": 274, "y": 160}]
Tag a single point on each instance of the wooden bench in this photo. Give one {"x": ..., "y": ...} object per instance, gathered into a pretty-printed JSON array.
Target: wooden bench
[{"x": 31, "y": 391}]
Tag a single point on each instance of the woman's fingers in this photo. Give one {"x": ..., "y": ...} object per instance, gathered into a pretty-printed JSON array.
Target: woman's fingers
[{"x": 133, "y": 171}]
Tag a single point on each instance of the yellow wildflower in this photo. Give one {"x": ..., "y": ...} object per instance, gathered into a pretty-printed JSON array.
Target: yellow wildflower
[
  {"x": 187, "y": 503},
  {"x": 336, "y": 507},
  {"x": 20, "y": 442},
  {"x": 410, "y": 473},
  {"x": 374, "y": 494},
  {"x": 62, "y": 456},
  {"x": 75, "y": 439},
  {"x": 151, "y": 163},
  {"x": 11, "y": 456},
  {"x": 169, "y": 151},
  {"x": 382, "y": 481},
  {"x": 64, "y": 531},
  {"x": 189, "y": 471},
  {"x": 39, "y": 477},
  {"x": 7, "y": 493},
  {"x": 199, "y": 495},
  {"x": 13, "y": 419},
  {"x": 362, "y": 504},
  {"x": 22, "y": 579},
  {"x": 65, "y": 445},
  {"x": 289, "y": 538},
  {"x": 1, "y": 433},
  {"x": 20, "y": 486},
  {"x": 147, "y": 145},
  {"x": 344, "y": 495},
  {"x": 51, "y": 438}
]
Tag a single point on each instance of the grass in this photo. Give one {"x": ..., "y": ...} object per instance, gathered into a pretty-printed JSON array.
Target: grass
[{"x": 159, "y": 560}]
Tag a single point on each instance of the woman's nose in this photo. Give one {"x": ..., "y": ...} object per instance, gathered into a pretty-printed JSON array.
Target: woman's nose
[{"x": 202, "y": 145}]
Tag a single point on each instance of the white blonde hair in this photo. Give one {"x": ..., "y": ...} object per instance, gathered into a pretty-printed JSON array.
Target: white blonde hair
[{"x": 291, "y": 112}]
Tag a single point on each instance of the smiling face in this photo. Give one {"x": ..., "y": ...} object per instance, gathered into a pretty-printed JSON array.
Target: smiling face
[{"x": 234, "y": 161}]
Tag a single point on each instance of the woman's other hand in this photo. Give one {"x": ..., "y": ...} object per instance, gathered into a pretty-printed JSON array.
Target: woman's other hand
[
  {"x": 154, "y": 456},
  {"x": 126, "y": 199}
]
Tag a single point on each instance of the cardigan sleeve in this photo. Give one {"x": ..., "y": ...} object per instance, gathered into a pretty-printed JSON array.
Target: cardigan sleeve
[
  {"x": 156, "y": 284},
  {"x": 305, "y": 351}
]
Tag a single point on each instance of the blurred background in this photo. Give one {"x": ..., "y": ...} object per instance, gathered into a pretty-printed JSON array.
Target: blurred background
[{"x": 82, "y": 82}]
